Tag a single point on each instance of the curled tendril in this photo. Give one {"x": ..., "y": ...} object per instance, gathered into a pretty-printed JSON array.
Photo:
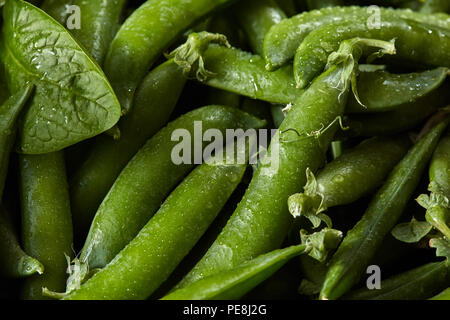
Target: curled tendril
[{"x": 315, "y": 133}]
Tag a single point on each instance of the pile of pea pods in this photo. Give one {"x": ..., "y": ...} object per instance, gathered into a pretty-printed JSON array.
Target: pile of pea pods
[{"x": 348, "y": 199}]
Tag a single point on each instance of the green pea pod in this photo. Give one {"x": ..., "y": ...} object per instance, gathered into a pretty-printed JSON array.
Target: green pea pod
[
  {"x": 205, "y": 242},
  {"x": 417, "y": 284},
  {"x": 444, "y": 295},
  {"x": 440, "y": 165},
  {"x": 15, "y": 262},
  {"x": 73, "y": 100},
  {"x": 417, "y": 42},
  {"x": 154, "y": 102},
  {"x": 405, "y": 117},
  {"x": 244, "y": 73},
  {"x": 125, "y": 211},
  {"x": 382, "y": 91},
  {"x": 433, "y": 6},
  {"x": 283, "y": 39},
  {"x": 144, "y": 36},
  {"x": 100, "y": 21},
  {"x": 362, "y": 241},
  {"x": 256, "y": 17},
  {"x": 261, "y": 220},
  {"x": 57, "y": 9},
  {"x": 349, "y": 177},
  {"x": 148, "y": 260},
  {"x": 391, "y": 254},
  {"x": 234, "y": 283},
  {"x": 46, "y": 220},
  {"x": 9, "y": 112},
  {"x": 437, "y": 204}
]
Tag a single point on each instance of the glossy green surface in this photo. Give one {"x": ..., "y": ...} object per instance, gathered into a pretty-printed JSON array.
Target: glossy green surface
[
  {"x": 143, "y": 265},
  {"x": 282, "y": 40},
  {"x": 46, "y": 220},
  {"x": 382, "y": 91},
  {"x": 9, "y": 112},
  {"x": 261, "y": 220},
  {"x": 73, "y": 100},
  {"x": 146, "y": 181},
  {"x": 440, "y": 165},
  {"x": 100, "y": 22},
  {"x": 154, "y": 102},
  {"x": 144, "y": 36},
  {"x": 234, "y": 283},
  {"x": 147, "y": 227},
  {"x": 405, "y": 117},
  {"x": 354, "y": 174},
  {"x": 438, "y": 215},
  {"x": 256, "y": 17},
  {"x": 15, "y": 262},
  {"x": 416, "y": 42},
  {"x": 417, "y": 284},
  {"x": 362, "y": 241},
  {"x": 244, "y": 73}
]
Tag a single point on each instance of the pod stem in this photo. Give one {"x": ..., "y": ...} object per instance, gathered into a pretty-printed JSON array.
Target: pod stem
[
  {"x": 438, "y": 217},
  {"x": 348, "y": 55},
  {"x": 319, "y": 244},
  {"x": 78, "y": 274},
  {"x": 310, "y": 203},
  {"x": 438, "y": 208},
  {"x": 190, "y": 54}
]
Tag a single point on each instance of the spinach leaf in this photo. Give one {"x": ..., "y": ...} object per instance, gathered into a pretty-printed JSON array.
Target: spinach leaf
[{"x": 73, "y": 99}]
